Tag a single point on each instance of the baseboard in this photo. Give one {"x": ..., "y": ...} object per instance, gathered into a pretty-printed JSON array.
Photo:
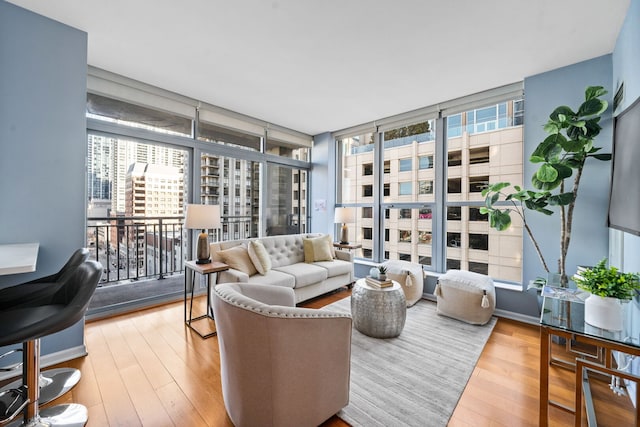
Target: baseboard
[
  {"x": 511, "y": 315},
  {"x": 50, "y": 360},
  {"x": 524, "y": 318}
]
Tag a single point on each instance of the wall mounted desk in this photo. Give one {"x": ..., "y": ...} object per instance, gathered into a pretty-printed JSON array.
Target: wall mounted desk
[{"x": 18, "y": 258}]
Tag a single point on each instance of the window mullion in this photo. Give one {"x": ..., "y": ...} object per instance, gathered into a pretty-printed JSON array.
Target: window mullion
[
  {"x": 378, "y": 210},
  {"x": 440, "y": 193}
]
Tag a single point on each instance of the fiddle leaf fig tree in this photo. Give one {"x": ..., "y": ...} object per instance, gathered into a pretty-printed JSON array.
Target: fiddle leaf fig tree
[{"x": 561, "y": 157}]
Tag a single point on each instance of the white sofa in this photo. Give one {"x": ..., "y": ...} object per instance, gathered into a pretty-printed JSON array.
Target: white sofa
[{"x": 288, "y": 266}]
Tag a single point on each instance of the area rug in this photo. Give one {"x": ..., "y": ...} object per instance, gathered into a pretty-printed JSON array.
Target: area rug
[{"x": 417, "y": 378}]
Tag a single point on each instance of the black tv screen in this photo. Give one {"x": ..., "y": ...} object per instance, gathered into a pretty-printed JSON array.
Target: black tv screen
[{"x": 624, "y": 201}]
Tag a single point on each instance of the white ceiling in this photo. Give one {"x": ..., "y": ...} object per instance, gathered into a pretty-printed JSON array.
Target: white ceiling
[{"x": 323, "y": 65}]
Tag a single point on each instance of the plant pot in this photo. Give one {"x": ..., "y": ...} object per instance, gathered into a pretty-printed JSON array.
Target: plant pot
[
  {"x": 382, "y": 276},
  {"x": 603, "y": 312}
]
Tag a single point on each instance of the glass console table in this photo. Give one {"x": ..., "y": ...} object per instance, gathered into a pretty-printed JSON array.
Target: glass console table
[{"x": 594, "y": 350}]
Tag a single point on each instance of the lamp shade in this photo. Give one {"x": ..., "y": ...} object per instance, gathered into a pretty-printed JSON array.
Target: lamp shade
[
  {"x": 345, "y": 215},
  {"x": 202, "y": 217}
]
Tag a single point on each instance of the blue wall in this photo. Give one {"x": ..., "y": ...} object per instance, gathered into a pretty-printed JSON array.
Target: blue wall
[
  {"x": 43, "y": 69},
  {"x": 590, "y": 236}
]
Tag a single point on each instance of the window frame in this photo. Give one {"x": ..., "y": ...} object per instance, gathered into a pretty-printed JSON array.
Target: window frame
[{"x": 440, "y": 167}]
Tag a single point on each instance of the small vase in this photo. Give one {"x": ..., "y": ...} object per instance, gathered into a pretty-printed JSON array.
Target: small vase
[
  {"x": 603, "y": 312},
  {"x": 382, "y": 277}
]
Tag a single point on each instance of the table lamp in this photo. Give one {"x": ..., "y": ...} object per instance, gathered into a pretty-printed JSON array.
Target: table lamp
[
  {"x": 202, "y": 217},
  {"x": 343, "y": 216}
]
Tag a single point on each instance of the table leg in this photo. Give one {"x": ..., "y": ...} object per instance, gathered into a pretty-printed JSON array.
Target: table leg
[
  {"x": 193, "y": 286},
  {"x": 209, "y": 308},
  {"x": 544, "y": 377}
]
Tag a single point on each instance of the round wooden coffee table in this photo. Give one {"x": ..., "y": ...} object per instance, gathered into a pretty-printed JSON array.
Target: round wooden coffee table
[{"x": 378, "y": 312}]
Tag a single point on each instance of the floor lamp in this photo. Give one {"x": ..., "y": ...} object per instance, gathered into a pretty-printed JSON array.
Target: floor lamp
[
  {"x": 203, "y": 217},
  {"x": 344, "y": 216}
]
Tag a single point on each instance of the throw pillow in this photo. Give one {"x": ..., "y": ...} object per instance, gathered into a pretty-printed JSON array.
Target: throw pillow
[
  {"x": 238, "y": 259},
  {"x": 331, "y": 248},
  {"x": 259, "y": 256},
  {"x": 317, "y": 249}
]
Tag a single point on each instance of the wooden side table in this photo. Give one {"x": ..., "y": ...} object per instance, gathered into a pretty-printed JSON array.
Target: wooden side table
[
  {"x": 347, "y": 246},
  {"x": 190, "y": 270}
]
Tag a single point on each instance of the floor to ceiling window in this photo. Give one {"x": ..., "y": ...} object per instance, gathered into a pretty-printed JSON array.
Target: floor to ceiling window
[
  {"x": 408, "y": 173},
  {"x": 484, "y": 145},
  {"x": 355, "y": 188},
  {"x": 418, "y": 188},
  {"x": 150, "y": 153}
]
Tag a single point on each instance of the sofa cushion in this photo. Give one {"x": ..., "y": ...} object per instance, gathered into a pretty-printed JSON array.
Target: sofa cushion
[
  {"x": 275, "y": 278},
  {"x": 336, "y": 268},
  {"x": 317, "y": 249},
  {"x": 304, "y": 274},
  {"x": 259, "y": 256},
  {"x": 238, "y": 259}
]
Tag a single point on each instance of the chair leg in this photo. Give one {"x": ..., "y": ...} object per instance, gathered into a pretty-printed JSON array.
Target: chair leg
[
  {"x": 53, "y": 383},
  {"x": 68, "y": 415}
]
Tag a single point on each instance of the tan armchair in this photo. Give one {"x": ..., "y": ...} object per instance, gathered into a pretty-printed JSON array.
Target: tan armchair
[{"x": 280, "y": 365}]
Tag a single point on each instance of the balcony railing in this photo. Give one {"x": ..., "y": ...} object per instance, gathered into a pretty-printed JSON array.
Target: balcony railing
[
  {"x": 132, "y": 248},
  {"x": 136, "y": 247}
]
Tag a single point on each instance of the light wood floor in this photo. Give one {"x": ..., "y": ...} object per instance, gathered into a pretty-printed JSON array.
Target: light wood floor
[{"x": 148, "y": 369}]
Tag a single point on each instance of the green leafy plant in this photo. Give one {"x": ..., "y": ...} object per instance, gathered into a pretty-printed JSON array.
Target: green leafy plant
[
  {"x": 382, "y": 269},
  {"x": 562, "y": 155},
  {"x": 607, "y": 281}
]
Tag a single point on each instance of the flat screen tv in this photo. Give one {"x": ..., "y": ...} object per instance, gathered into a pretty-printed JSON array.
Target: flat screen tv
[{"x": 624, "y": 201}]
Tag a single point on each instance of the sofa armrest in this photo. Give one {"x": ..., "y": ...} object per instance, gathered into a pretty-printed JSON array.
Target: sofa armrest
[
  {"x": 344, "y": 255},
  {"x": 269, "y": 294},
  {"x": 233, "y": 276}
]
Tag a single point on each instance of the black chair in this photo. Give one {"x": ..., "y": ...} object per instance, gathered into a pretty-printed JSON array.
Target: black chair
[
  {"x": 27, "y": 325},
  {"x": 41, "y": 289},
  {"x": 53, "y": 382}
]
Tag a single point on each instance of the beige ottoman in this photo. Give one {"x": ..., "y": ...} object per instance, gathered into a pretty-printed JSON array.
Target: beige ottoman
[
  {"x": 410, "y": 276},
  {"x": 466, "y": 296}
]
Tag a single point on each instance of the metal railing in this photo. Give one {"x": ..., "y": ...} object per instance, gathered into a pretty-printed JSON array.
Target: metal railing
[{"x": 132, "y": 248}]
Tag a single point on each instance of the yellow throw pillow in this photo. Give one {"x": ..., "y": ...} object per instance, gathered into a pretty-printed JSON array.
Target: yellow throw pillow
[
  {"x": 331, "y": 248},
  {"x": 238, "y": 259},
  {"x": 317, "y": 249},
  {"x": 259, "y": 256}
]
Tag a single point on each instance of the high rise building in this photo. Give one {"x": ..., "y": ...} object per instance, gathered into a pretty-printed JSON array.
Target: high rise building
[
  {"x": 233, "y": 184},
  {"x": 99, "y": 162},
  {"x": 109, "y": 160},
  {"x": 154, "y": 190},
  {"x": 482, "y": 146}
]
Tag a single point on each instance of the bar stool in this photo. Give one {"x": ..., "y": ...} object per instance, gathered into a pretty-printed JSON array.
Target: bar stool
[
  {"x": 43, "y": 288},
  {"x": 53, "y": 382},
  {"x": 27, "y": 325}
]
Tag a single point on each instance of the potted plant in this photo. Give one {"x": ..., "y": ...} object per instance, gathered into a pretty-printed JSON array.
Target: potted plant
[
  {"x": 382, "y": 272},
  {"x": 562, "y": 157},
  {"x": 607, "y": 286}
]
